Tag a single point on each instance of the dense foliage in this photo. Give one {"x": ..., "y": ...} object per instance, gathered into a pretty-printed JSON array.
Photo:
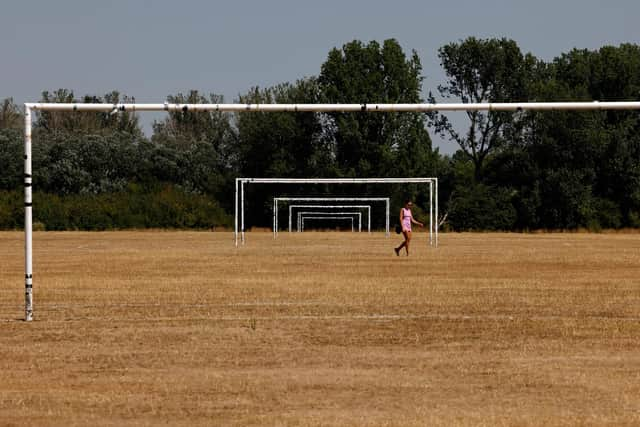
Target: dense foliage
[{"x": 513, "y": 171}]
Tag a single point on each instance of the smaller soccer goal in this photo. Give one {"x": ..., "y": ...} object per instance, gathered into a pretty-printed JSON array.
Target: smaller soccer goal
[
  {"x": 307, "y": 218},
  {"x": 329, "y": 208},
  {"x": 332, "y": 200},
  {"x": 305, "y": 214}
]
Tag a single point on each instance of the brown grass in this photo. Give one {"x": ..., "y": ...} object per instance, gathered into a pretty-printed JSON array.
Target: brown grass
[{"x": 182, "y": 328}]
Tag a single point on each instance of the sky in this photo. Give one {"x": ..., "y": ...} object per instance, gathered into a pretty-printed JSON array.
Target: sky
[{"x": 151, "y": 49}]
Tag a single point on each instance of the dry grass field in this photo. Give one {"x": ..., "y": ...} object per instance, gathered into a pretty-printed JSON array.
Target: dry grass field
[{"x": 182, "y": 328}]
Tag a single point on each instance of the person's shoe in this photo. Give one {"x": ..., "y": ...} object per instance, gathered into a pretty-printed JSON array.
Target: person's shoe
[{"x": 397, "y": 251}]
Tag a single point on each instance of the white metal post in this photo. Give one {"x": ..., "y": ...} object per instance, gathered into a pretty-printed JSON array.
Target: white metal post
[
  {"x": 387, "y": 215},
  {"x": 28, "y": 220},
  {"x": 235, "y": 233},
  {"x": 274, "y": 218},
  {"x": 290, "y": 213},
  {"x": 430, "y": 213},
  {"x": 242, "y": 210},
  {"x": 437, "y": 220}
]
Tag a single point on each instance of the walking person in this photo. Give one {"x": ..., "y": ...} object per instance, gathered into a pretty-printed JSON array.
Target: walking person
[{"x": 406, "y": 219}]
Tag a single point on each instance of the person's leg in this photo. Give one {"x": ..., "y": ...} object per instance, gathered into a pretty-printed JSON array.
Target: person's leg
[
  {"x": 407, "y": 236},
  {"x": 403, "y": 244}
]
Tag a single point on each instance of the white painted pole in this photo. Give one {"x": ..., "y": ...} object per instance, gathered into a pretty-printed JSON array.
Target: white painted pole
[
  {"x": 430, "y": 214},
  {"x": 235, "y": 233},
  {"x": 290, "y": 212},
  {"x": 387, "y": 215},
  {"x": 437, "y": 212},
  {"x": 28, "y": 220},
  {"x": 485, "y": 106},
  {"x": 242, "y": 210},
  {"x": 274, "y": 217}
]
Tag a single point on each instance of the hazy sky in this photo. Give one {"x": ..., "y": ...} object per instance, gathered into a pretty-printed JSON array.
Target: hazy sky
[{"x": 150, "y": 49}]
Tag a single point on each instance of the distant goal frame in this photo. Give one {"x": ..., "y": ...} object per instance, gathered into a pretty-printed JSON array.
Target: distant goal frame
[
  {"x": 240, "y": 183},
  {"x": 331, "y": 209},
  {"x": 354, "y": 199},
  {"x": 329, "y": 215}
]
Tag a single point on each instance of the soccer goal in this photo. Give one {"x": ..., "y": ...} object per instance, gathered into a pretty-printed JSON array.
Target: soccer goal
[
  {"x": 331, "y": 208},
  {"x": 431, "y": 182},
  {"x": 325, "y": 218},
  {"x": 317, "y": 215},
  {"x": 31, "y": 107}
]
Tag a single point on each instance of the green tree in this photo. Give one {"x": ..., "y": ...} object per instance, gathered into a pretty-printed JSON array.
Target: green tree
[
  {"x": 492, "y": 70},
  {"x": 11, "y": 116},
  {"x": 183, "y": 128},
  {"x": 578, "y": 169},
  {"x": 288, "y": 144},
  {"x": 376, "y": 144},
  {"x": 281, "y": 144},
  {"x": 84, "y": 121},
  {"x": 203, "y": 146}
]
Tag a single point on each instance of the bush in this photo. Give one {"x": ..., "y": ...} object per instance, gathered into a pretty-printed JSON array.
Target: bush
[
  {"x": 137, "y": 207},
  {"x": 481, "y": 207}
]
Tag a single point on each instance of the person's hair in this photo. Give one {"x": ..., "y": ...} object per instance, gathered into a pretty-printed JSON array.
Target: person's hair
[{"x": 407, "y": 201}]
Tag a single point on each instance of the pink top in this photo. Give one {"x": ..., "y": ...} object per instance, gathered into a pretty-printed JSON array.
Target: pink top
[{"x": 406, "y": 219}]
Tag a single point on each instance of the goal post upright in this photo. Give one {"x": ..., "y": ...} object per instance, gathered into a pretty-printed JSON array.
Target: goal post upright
[
  {"x": 430, "y": 211},
  {"x": 28, "y": 219},
  {"x": 30, "y": 107}
]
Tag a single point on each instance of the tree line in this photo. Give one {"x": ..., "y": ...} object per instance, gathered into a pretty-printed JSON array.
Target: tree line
[{"x": 511, "y": 171}]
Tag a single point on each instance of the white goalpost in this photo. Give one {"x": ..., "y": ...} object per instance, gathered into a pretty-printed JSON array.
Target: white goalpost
[
  {"x": 330, "y": 208},
  {"x": 31, "y": 107},
  {"x": 333, "y": 215}
]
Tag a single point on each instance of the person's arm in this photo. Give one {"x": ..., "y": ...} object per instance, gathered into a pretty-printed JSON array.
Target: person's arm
[{"x": 416, "y": 222}]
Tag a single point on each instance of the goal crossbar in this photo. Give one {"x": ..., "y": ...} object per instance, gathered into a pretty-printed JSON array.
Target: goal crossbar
[{"x": 328, "y": 108}]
